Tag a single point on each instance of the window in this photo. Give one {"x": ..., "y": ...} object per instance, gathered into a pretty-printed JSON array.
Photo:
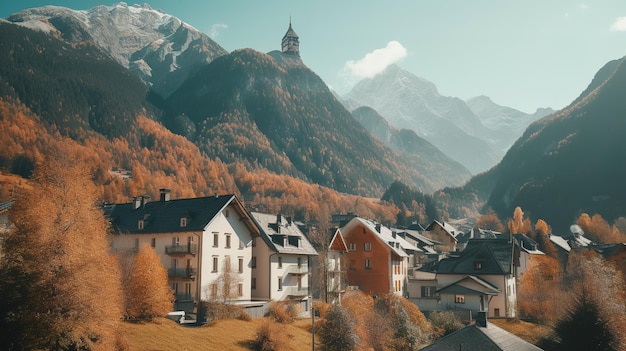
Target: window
[
  {"x": 240, "y": 265},
  {"x": 213, "y": 290},
  {"x": 183, "y": 221},
  {"x": 240, "y": 290},
  {"x": 253, "y": 284},
  {"x": 253, "y": 262},
  {"x": 496, "y": 312},
  {"x": 299, "y": 262},
  {"x": 175, "y": 241},
  {"x": 459, "y": 298},
  {"x": 478, "y": 265},
  {"x": 216, "y": 239},
  {"x": 140, "y": 224},
  {"x": 367, "y": 247},
  {"x": 299, "y": 282},
  {"x": 398, "y": 285},
  {"x": 280, "y": 262},
  {"x": 368, "y": 263},
  {"x": 188, "y": 289},
  {"x": 175, "y": 288},
  {"x": 280, "y": 283},
  {"x": 153, "y": 243},
  {"x": 428, "y": 291},
  {"x": 215, "y": 263},
  {"x": 352, "y": 246},
  {"x": 228, "y": 241}
]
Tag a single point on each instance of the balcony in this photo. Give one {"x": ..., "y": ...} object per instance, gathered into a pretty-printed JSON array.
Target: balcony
[
  {"x": 175, "y": 250},
  {"x": 297, "y": 291},
  {"x": 183, "y": 297},
  {"x": 297, "y": 269},
  {"x": 185, "y": 273}
]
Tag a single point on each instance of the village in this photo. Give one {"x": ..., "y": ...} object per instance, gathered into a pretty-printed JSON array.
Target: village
[{"x": 446, "y": 266}]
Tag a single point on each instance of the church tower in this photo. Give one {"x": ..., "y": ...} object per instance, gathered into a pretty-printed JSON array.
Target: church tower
[{"x": 291, "y": 42}]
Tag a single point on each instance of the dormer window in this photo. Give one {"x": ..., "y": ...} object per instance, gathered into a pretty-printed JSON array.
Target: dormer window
[
  {"x": 183, "y": 222},
  {"x": 140, "y": 224},
  {"x": 478, "y": 265}
]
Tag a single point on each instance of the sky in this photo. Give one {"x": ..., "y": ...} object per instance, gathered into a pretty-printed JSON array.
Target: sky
[{"x": 525, "y": 54}]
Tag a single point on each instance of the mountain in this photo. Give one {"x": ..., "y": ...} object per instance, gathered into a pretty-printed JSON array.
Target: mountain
[
  {"x": 506, "y": 124},
  {"x": 411, "y": 102},
  {"x": 272, "y": 111},
  {"x": 567, "y": 163},
  {"x": 416, "y": 151},
  {"x": 159, "y": 48}
]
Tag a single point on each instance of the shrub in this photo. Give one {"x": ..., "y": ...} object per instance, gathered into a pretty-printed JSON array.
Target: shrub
[
  {"x": 269, "y": 337},
  {"x": 284, "y": 313},
  {"x": 337, "y": 330},
  {"x": 444, "y": 322}
]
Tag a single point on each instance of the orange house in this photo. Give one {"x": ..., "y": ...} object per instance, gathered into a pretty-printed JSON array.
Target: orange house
[{"x": 378, "y": 258}]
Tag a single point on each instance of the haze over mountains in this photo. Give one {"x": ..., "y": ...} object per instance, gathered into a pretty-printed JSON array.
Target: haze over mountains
[
  {"x": 269, "y": 111},
  {"x": 476, "y": 133}
]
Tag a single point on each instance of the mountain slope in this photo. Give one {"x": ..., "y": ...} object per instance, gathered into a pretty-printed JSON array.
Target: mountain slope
[
  {"x": 505, "y": 123},
  {"x": 161, "y": 49},
  {"x": 409, "y": 102},
  {"x": 274, "y": 112},
  {"x": 572, "y": 161},
  {"x": 414, "y": 150}
]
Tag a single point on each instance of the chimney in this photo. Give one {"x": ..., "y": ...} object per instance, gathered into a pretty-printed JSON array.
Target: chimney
[
  {"x": 481, "y": 319},
  {"x": 165, "y": 194},
  {"x": 378, "y": 227},
  {"x": 137, "y": 202}
]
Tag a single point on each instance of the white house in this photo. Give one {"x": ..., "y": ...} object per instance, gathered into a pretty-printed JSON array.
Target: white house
[
  {"x": 196, "y": 239},
  {"x": 281, "y": 261}
]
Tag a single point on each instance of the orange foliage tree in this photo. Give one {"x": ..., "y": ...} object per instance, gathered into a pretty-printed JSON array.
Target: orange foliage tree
[
  {"x": 518, "y": 224},
  {"x": 60, "y": 287},
  {"x": 148, "y": 294},
  {"x": 490, "y": 221},
  {"x": 539, "y": 289}
]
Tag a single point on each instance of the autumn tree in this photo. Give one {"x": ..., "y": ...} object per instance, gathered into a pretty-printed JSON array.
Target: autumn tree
[
  {"x": 490, "y": 221},
  {"x": 596, "y": 320},
  {"x": 337, "y": 331},
  {"x": 60, "y": 287},
  {"x": 539, "y": 289},
  {"x": 147, "y": 291},
  {"x": 518, "y": 224},
  {"x": 542, "y": 237}
]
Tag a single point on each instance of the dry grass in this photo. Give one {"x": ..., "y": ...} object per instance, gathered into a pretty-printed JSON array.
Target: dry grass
[
  {"x": 230, "y": 334},
  {"x": 528, "y": 331}
]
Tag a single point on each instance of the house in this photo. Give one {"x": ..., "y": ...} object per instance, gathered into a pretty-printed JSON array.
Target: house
[
  {"x": 528, "y": 249},
  {"x": 481, "y": 336},
  {"x": 378, "y": 258},
  {"x": 444, "y": 233},
  {"x": 336, "y": 273},
  {"x": 483, "y": 276},
  {"x": 198, "y": 240},
  {"x": 281, "y": 261},
  {"x": 475, "y": 233},
  {"x": 422, "y": 290},
  {"x": 427, "y": 247}
]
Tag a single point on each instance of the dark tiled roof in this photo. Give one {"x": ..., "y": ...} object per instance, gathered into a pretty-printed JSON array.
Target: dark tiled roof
[
  {"x": 484, "y": 287},
  {"x": 494, "y": 255},
  {"x": 165, "y": 216},
  {"x": 275, "y": 230},
  {"x": 475, "y": 338}
]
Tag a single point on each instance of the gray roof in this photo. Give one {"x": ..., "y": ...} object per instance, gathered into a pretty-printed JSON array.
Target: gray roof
[
  {"x": 164, "y": 216},
  {"x": 475, "y": 338},
  {"x": 396, "y": 243},
  {"x": 282, "y": 235},
  {"x": 486, "y": 288},
  {"x": 496, "y": 256}
]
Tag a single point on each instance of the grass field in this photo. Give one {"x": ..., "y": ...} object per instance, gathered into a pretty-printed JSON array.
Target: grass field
[{"x": 230, "y": 334}]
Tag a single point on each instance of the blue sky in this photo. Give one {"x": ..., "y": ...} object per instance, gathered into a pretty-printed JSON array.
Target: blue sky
[{"x": 524, "y": 54}]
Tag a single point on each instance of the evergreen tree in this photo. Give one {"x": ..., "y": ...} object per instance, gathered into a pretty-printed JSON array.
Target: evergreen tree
[{"x": 60, "y": 287}]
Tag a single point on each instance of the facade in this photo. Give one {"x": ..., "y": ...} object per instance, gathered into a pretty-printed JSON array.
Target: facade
[
  {"x": 481, "y": 277},
  {"x": 291, "y": 43},
  {"x": 378, "y": 258},
  {"x": 197, "y": 239},
  {"x": 336, "y": 273},
  {"x": 443, "y": 233},
  {"x": 281, "y": 260}
]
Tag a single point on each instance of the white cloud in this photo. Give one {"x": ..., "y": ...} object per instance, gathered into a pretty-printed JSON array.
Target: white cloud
[
  {"x": 215, "y": 30},
  {"x": 375, "y": 61},
  {"x": 619, "y": 25}
]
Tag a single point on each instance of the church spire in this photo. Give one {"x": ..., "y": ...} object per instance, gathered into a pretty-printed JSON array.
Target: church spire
[{"x": 291, "y": 42}]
